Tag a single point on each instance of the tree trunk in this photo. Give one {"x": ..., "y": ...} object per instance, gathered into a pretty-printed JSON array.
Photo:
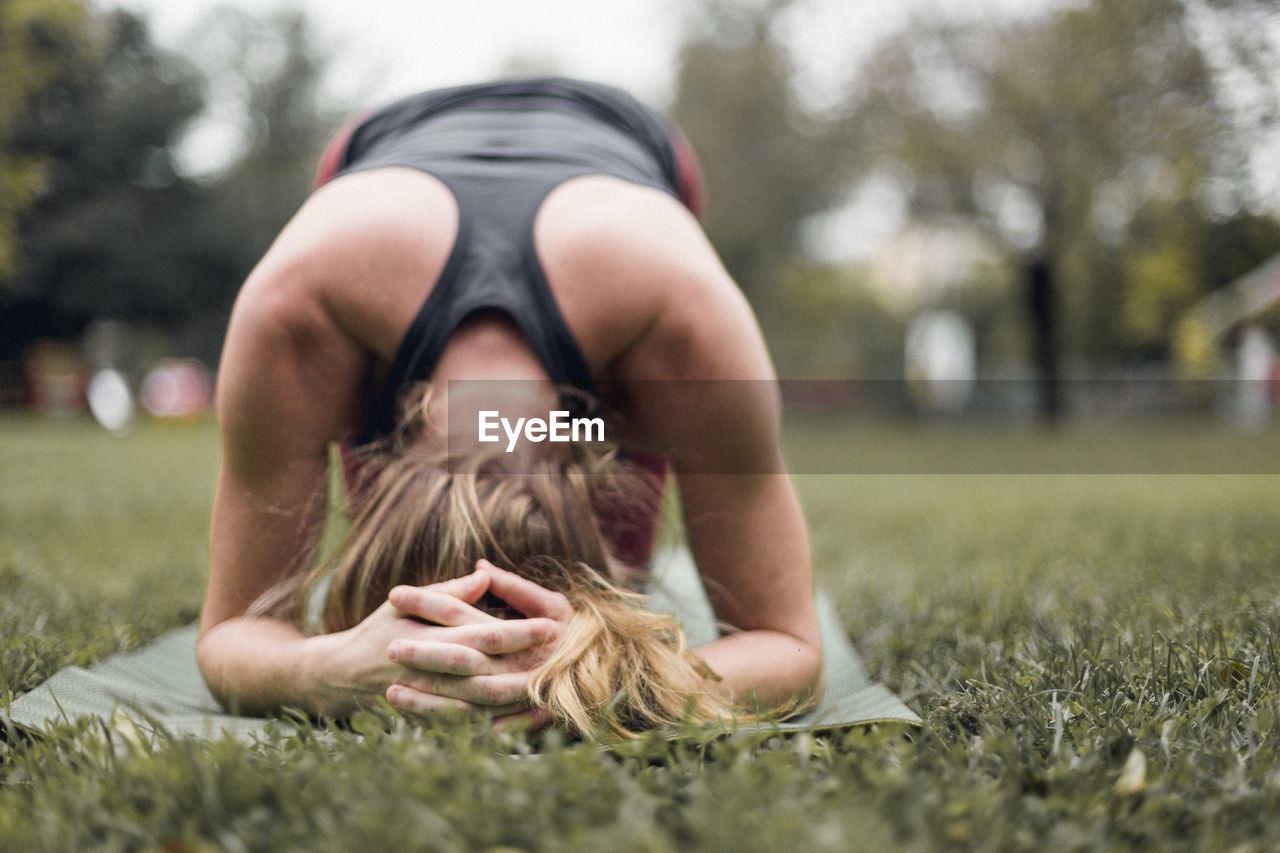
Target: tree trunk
[{"x": 1043, "y": 310}]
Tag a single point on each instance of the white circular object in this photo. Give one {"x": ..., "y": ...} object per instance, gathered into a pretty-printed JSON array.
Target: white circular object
[
  {"x": 110, "y": 400},
  {"x": 941, "y": 359}
]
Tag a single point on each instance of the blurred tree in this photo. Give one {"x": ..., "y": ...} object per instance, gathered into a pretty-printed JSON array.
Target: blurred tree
[
  {"x": 39, "y": 41},
  {"x": 1082, "y": 142},
  {"x": 106, "y": 229},
  {"x": 833, "y": 325},
  {"x": 768, "y": 162},
  {"x": 268, "y": 71},
  {"x": 111, "y": 226}
]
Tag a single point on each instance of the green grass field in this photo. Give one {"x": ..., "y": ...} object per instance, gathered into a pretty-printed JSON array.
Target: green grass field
[{"x": 1094, "y": 654}]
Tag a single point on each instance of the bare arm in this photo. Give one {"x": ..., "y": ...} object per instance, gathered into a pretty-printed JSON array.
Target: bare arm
[
  {"x": 313, "y": 318},
  {"x": 700, "y": 387},
  {"x": 286, "y": 389},
  {"x": 288, "y": 386}
]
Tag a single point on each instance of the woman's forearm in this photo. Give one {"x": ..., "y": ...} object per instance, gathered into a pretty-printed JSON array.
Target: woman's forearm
[
  {"x": 430, "y": 651},
  {"x": 255, "y": 666},
  {"x": 768, "y": 667}
]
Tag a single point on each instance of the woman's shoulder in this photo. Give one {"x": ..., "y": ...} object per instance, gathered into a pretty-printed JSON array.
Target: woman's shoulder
[
  {"x": 618, "y": 258},
  {"x": 367, "y": 249},
  {"x": 361, "y": 214},
  {"x": 633, "y": 233}
]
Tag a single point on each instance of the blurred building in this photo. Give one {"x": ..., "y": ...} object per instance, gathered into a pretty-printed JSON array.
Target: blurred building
[{"x": 1229, "y": 334}]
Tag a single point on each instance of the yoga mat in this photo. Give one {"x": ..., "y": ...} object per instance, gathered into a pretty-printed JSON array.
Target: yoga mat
[
  {"x": 161, "y": 682},
  {"x": 848, "y": 698}
]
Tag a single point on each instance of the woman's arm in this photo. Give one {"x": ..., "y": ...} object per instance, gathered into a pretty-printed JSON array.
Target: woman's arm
[
  {"x": 287, "y": 386},
  {"x": 700, "y": 388},
  {"x": 290, "y": 383},
  {"x": 746, "y": 533}
]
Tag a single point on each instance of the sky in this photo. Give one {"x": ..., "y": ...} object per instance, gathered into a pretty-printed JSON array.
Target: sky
[
  {"x": 388, "y": 48},
  {"x": 384, "y": 49}
]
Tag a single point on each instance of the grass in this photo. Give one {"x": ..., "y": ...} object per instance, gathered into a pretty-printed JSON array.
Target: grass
[{"x": 1094, "y": 654}]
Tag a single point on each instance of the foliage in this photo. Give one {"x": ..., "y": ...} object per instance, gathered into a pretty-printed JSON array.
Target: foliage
[
  {"x": 1102, "y": 149},
  {"x": 110, "y": 187},
  {"x": 113, "y": 228},
  {"x": 834, "y": 325},
  {"x": 38, "y": 40},
  {"x": 1085, "y": 141},
  {"x": 768, "y": 162},
  {"x": 1095, "y": 656},
  {"x": 110, "y": 229},
  {"x": 269, "y": 67}
]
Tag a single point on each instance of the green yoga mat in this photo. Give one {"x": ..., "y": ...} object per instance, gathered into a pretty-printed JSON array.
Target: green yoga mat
[{"x": 161, "y": 682}]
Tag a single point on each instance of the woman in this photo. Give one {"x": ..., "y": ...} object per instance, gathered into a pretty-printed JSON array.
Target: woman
[{"x": 538, "y": 231}]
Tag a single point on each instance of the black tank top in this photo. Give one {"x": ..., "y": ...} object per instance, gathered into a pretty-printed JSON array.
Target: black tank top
[{"x": 500, "y": 148}]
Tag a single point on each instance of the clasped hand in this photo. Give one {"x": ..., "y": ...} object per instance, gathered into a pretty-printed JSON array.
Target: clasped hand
[{"x": 440, "y": 652}]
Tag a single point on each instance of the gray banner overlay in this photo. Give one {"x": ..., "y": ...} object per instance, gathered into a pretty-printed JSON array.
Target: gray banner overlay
[{"x": 880, "y": 426}]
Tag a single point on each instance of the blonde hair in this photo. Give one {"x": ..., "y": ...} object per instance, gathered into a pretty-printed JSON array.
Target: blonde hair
[{"x": 617, "y": 668}]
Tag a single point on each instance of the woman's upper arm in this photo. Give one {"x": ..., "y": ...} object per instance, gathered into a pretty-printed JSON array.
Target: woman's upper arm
[
  {"x": 703, "y": 390},
  {"x": 288, "y": 385}
]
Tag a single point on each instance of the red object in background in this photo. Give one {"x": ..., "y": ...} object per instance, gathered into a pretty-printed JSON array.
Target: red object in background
[
  {"x": 177, "y": 389},
  {"x": 56, "y": 376}
]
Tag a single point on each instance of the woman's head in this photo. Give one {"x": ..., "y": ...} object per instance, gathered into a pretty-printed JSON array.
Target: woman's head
[{"x": 426, "y": 515}]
